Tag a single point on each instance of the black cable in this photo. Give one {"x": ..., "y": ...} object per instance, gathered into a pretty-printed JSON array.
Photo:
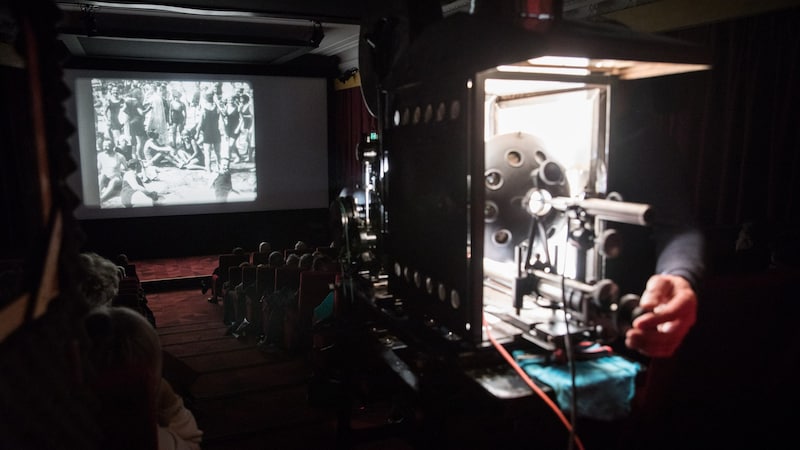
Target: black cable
[
  {"x": 348, "y": 255},
  {"x": 543, "y": 234},
  {"x": 531, "y": 239},
  {"x": 570, "y": 356}
]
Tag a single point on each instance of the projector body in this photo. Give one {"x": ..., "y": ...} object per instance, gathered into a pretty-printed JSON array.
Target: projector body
[
  {"x": 486, "y": 204},
  {"x": 492, "y": 176}
]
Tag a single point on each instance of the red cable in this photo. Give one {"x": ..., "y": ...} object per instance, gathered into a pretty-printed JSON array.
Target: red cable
[{"x": 531, "y": 384}]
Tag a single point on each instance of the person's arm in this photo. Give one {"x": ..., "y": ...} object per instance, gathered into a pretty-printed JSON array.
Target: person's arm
[
  {"x": 148, "y": 144},
  {"x": 670, "y": 303},
  {"x": 681, "y": 252},
  {"x": 669, "y": 300},
  {"x": 177, "y": 427},
  {"x": 195, "y": 150},
  {"x": 132, "y": 179},
  {"x": 161, "y": 148},
  {"x": 670, "y": 297}
]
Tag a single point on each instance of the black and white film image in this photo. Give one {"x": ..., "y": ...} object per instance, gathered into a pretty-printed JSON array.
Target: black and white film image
[{"x": 168, "y": 142}]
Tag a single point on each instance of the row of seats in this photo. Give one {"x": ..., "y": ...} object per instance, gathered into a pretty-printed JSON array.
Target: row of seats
[
  {"x": 300, "y": 312},
  {"x": 257, "y": 258},
  {"x": 268, "y": 279},
  {"x": 219, "y": 277},
  {"x": 230, "y": 261},
  {"x": 258, "y": 295}
]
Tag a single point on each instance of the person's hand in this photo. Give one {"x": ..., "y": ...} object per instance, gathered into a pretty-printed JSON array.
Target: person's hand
[{"x": 670, "y": 306}]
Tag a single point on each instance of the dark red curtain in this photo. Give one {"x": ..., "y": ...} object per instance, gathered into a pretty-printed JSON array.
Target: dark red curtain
[
  {"x": 350, "y": 121},
  {"x": 738, "y": 128},
  {"x": 742, "y": 132}
]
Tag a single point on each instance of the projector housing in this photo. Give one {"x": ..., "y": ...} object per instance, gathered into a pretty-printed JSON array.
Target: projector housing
[{"x": 451, "y": 169}]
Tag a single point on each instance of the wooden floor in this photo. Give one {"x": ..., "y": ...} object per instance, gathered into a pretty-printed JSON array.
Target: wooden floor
[
  {"x": 243, "y": 397},
  {"x": 173, "y": 268}
]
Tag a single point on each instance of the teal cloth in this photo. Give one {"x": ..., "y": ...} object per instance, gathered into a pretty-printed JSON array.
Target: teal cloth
[
  {"x": 605, "y": 386},
  {"x": 324, "y": 310}
]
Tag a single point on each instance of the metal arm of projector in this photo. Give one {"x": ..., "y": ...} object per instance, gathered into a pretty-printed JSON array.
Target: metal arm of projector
[
  {"x": 592, "y": 307},
  {"x": 580, "y": 299}
]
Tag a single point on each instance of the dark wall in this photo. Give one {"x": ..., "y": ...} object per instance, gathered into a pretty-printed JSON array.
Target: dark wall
[
  {"x": 305, "y": 66},
  {"x": 208, "y": 234}
]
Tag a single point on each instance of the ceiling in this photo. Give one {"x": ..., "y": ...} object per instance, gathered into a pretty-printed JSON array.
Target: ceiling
[
  {"x": 285, "y": 32},
  {"x": 271, "y": 32}
]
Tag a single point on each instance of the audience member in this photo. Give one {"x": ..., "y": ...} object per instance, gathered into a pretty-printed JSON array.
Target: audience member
[
  {"x": 323, "y": 262},
  {"x": 306, "y": 261},
  {"x": 276, "y": 259},
  {"x": 98, "y": 279},
  {"x": 261, "y": 257},
  {"x": 293, "y": 260},
  {"x": 300, "y": 247},
  {"x": 137, "y": 406},
  {"x": 218, "y": 278},
  {"x": 122, "y": 260},
  {"x": 236, "y": 298}
]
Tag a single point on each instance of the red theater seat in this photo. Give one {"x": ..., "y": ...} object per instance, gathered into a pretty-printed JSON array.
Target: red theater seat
[
  {"x": 287, "y": 277},
  {"x": 314, "y": 286},
  {"x": 265, "y": 280},
  {"x": 226, "y": 261}
]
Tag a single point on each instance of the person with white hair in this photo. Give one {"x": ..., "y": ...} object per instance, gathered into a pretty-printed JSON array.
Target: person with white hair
[
  {"x": 262, "y": 255},
  {"x": 98, "y": 279},
  {"x": 293, "y": 260},
  {"x": 300, "y": 247}
]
